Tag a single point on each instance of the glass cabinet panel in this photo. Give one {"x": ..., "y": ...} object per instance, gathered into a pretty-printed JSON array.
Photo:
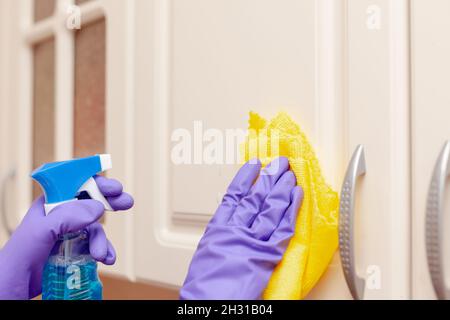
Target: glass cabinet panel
[
  {"x": 43, "y": 105},
  {"x": 43, "y": 9},
  {"x": 89, "y": 108}
]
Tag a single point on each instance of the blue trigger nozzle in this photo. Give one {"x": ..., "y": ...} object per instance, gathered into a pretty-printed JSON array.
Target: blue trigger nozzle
[{"x": 62, "y": 180}]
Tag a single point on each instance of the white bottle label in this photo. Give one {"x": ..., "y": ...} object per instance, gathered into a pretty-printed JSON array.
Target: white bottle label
[
  {"x": 74, "y": 281},
  {"x": 373, "y": 20}
]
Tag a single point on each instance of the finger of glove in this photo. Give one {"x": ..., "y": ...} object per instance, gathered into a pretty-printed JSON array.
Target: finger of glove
[
  {"x": 124, "y": 201},
  {"x": 98, "y": 243},
  {"x": 274, "y": 207},
  {"x": 251, "y": 204},
  {"x": 37, "y": 209},
  {"x": 286, "y": 228},
  {"x": 73, "y": 216},
  {"x": 111, "y": 256},
  {"x": 239, "y": 188},
  {"x": 108, "y": 187},
  {"x": 100, "y": 247}
]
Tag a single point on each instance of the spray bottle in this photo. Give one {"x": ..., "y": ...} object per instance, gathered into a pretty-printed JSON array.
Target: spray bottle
[{"x": 70, "y": 272}]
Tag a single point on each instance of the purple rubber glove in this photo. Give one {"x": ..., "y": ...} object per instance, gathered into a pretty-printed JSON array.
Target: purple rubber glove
[
  {"x": 247, "y": 236},
  {"x": 23, "y": 257}
]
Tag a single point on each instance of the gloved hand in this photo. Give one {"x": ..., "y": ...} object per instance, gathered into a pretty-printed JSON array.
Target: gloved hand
[
  {"x": 247, "y": 236},
  {"x": 23, "y": 257}
]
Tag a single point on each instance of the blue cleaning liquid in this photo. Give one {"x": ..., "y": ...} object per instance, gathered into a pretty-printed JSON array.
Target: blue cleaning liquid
[
  {"x": 75, "y": 281},
  {"x": 71, "y": 273}
]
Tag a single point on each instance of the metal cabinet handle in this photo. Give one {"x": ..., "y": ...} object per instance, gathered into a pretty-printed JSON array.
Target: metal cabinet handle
[
  {"x": 434, "y": 224},
  {"x": 356, "y": 168},
  {"x": 3, "y": 211}
]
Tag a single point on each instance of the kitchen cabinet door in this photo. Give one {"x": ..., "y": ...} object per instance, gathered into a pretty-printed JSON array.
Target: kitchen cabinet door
[
  {"x": 339, "y": 68},
  {"x": 68, "y": 92},
  {"x": 9, "y": 98},
  {"x": 210, "y": 63},
  {"x": 430, "y": 51},
  {"x": 377, "y": 117},
  {"x": 213, "y": 61},
  {"x": 4, "y": 112}
]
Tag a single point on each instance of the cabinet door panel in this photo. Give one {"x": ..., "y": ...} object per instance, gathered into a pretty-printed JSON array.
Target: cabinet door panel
[
  {"x": 226, "y": 59},
  {"x": 214, "y": 61},
  {"x": 378, "y": 118},
  {"x": 430, "y": 121},
  {"x": 15, "y": 121},
  {"x": 4, "y": 110}
]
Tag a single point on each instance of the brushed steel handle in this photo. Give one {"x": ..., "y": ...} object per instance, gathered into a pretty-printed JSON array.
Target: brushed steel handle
[
  {"x": 356, "y": 168},
  {"x": 434, "y": 224},
  {"x": 3, "y": 211}
]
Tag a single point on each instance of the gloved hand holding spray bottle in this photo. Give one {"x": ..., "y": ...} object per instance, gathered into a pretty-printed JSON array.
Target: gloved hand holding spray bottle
[{"x": 70, "y": 272}]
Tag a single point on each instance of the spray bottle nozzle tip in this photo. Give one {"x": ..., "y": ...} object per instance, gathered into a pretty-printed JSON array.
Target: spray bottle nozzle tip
[{"x": 106, "y": 162}]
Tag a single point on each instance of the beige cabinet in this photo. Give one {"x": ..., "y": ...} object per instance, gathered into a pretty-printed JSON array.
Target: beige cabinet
[
  {"x": 214, "y": 61},
  {"x": 66, "y": 91},
  {"x": 350, "y": 72},
  {"x": 430, "y": 49},
  {"x": 377, "y": 117},
  {"x": 3, "y": 112}
]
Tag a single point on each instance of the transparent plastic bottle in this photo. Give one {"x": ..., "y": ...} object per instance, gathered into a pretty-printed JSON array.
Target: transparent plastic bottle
[{"x": 70, "y": 272}]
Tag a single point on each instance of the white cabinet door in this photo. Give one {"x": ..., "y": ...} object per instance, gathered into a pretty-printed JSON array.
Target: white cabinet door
[
  {"x": 430, "y": 126},
  {"x": 339, "y": 68},
  {"x": 21, "y": 36},
  {"x": 377, "y": 116},
  {"x": 213, "y": 61},
  {"x": 4, "y": 114},
  {"x": 9, "y": 208}
]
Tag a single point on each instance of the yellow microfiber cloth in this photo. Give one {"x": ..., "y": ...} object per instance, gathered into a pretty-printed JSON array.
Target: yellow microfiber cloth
[{"x": 316, "y": 236}]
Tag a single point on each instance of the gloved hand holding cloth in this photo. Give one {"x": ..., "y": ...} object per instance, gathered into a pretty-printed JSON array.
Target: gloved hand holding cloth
[
  {"x": 247, "y": 251},
  {"x": 247, "y": 236}
]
